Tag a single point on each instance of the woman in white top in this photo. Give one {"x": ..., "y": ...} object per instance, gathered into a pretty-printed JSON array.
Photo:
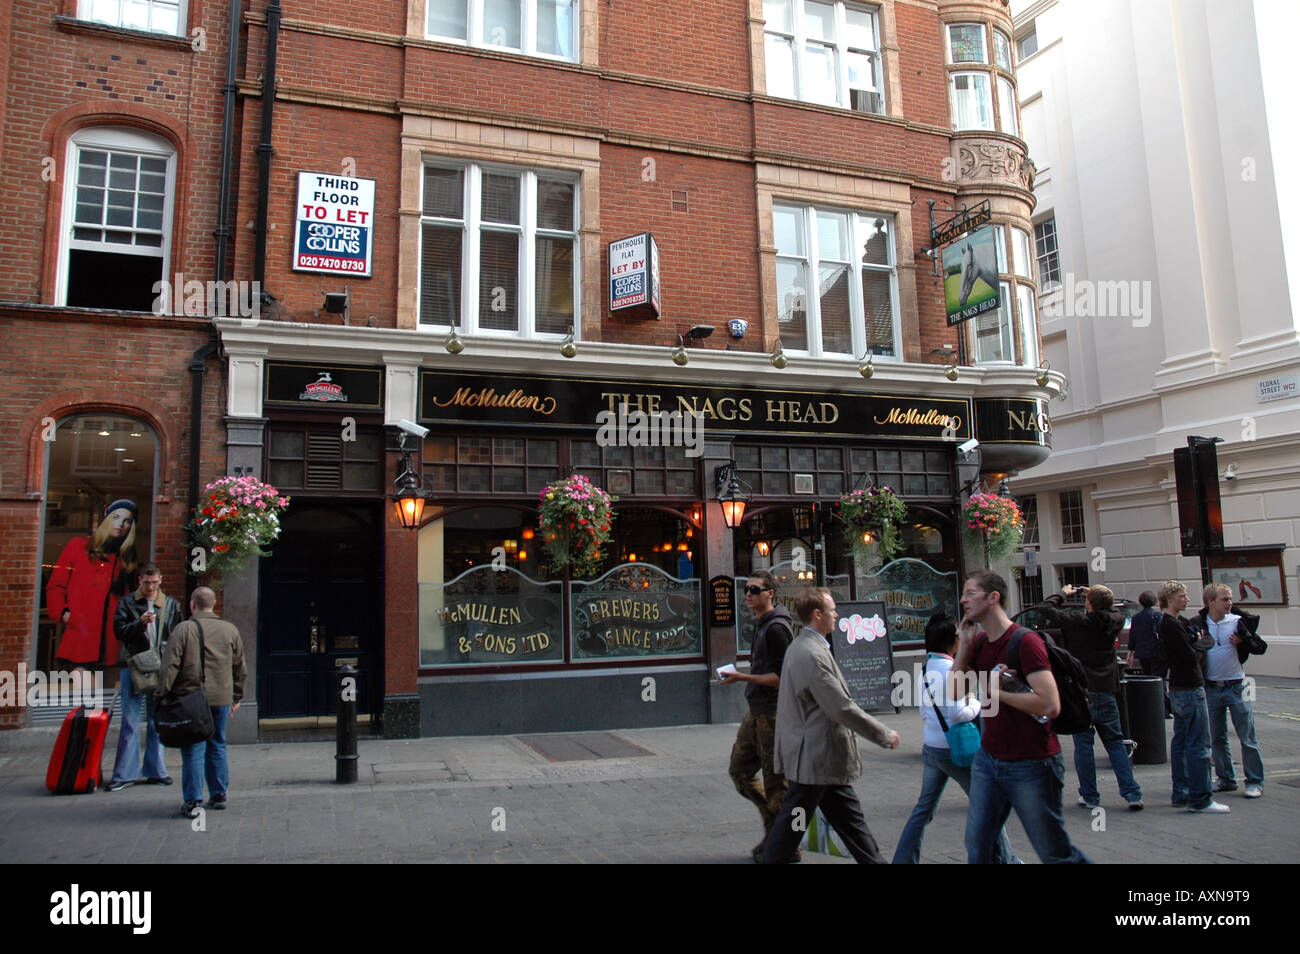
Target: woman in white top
[{"x": 940, "y": 644}]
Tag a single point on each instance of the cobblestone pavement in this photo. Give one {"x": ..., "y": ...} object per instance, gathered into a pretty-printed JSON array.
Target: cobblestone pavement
[{"x": 497, "y": 799}]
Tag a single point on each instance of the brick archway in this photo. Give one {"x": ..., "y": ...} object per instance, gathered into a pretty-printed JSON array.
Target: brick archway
[{"x": 97, "y": 401}]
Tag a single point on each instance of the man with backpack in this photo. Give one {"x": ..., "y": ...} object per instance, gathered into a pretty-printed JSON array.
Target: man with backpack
[
  {"x": 1019, "y": 763},
  {"x": 1090, "y": 636},
  {"x": 773, "y": 633}
]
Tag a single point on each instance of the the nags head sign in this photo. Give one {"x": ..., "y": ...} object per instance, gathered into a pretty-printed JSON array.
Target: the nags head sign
[
  {"x": 634, "y": 273},
  {"x": 334, "y": 224}
]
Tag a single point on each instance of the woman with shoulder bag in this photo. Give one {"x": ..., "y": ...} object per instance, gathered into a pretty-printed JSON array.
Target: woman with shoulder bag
[{"x": 951, "y": 738}]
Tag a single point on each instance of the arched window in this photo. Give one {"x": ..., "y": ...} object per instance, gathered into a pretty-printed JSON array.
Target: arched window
[
  {"x": 99, "y": 493},
  {"x": 116, "y": 227}
]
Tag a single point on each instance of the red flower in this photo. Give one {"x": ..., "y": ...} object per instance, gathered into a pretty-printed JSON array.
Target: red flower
[{"x": 221, "y": 548}]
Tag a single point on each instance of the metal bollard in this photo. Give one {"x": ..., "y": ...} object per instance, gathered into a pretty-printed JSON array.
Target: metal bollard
[{"x": 345, "y": 754}]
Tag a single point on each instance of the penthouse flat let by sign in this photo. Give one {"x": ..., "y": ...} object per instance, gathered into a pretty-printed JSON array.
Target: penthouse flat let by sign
[
  {"x": 634, "y": 273},
  {"x": 334, "y": 225}
]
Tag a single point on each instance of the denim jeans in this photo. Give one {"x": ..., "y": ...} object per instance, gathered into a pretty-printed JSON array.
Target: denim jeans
[
  {"x": 126, "y": 766},
  {"x": 207, "y": 759},
  {"x": 1033, "y": 788},
  {"x": 1189, "y": 750},
  {"x": 1105, "y": 719},
  {"x": 939, "y": 767},
  {"x": 1221, "y": 701}
]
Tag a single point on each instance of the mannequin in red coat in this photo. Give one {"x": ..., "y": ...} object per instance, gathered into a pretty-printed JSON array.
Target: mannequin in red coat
[{"x": 89, "y": 578}]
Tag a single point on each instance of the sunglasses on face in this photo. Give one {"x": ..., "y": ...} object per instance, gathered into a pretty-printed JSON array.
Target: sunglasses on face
[{"x": 755, "y": 590}]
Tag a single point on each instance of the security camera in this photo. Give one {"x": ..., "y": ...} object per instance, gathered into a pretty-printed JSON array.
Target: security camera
[
  {"x": 967, "y": 447},
  {"x": 410, "y": 427},
  {"x": 1230, "y": 473}
]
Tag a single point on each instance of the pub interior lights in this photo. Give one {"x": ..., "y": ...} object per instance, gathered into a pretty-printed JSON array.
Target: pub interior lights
[
  {"x": 567, "y": 347},
  {"x": 731, "y": 494},
  {"x": 1041, "y": 377},
  {"x": 867, "y": 367},
  {"x": 779, "y": 360},
  {"x": 411, "y": 497},
  {"x": 764, "y": 548},
  {"x": 679, "y": 355}
]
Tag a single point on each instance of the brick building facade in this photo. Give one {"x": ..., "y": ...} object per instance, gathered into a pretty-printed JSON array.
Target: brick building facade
[{"x": 790, "y": 159}]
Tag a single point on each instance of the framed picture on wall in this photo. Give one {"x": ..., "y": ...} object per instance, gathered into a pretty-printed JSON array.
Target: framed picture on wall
[{"x": 1254, "y": 574}]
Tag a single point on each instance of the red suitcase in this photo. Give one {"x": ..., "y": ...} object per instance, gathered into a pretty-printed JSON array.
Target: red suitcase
[{"x": 75, "y": 765}]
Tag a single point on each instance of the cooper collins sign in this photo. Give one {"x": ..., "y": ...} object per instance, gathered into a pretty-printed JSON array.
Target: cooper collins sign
[
  {"x": 634, "y": 273},
  {"x": 335, "y": 225}
]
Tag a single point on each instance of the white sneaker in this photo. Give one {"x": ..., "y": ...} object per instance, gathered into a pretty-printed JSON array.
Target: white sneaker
[
  {"x": 1214, "y": 808},
  {"x": 1254, "y": 791}
]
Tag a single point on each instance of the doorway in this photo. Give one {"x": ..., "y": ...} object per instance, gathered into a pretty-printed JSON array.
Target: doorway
[{"x": 321, "y": 607}]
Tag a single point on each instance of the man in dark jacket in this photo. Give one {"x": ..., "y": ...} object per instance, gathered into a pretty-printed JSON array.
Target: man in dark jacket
[
  {"x": 1090, "y": 634},
  {"x": 1189, "y": 750},
  {"x": 143, "y": 621},
  {"x": 1235, "y": 637},
  {"x": 773, "y": 632}
]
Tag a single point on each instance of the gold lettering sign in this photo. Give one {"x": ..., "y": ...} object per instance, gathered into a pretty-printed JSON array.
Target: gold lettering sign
[
  {"x": 930, "y": 418},
  {"x": 488, "y": 397}
]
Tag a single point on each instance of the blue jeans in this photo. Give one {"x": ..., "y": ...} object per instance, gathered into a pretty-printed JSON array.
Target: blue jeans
[
  {"x": 207, "y": 759},
  {"x": 1105, "y": 719},
  {"x": 127, "y": 762},
  {"x": 1033, "y": 788},
  {"x": 1189, "y": 750},
  {"x": 1221, "y": 701},
  {"x": 939, "y": 767}
]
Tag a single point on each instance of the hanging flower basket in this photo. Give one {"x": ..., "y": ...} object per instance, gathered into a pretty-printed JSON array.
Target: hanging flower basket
[
  {"x": 574, "y": 518},
  {"x": 873, "y": 517},
  {"x": 995, "y": 523},
  {"x": 240, "y": 519}
]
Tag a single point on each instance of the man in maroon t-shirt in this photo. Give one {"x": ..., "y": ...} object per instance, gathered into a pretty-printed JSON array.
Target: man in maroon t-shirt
[{"x": 1019, "y": 763}]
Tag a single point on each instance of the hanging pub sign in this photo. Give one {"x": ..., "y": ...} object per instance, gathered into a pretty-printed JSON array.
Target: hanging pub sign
[
  {"x": 290, "y": 384},
  {"x": 334, "y": 225},
  {"x": 634, "y": 273},
  {"x": 478, "y": 397},
  {"x": 970, "y": 276},
  {"x": 961, "y": 223}
]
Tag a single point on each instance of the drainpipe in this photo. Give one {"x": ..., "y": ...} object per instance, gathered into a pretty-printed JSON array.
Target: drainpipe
[
  {"x": 222, "y": 233},
  {"x": 198, "y": 368},
  {"x": 264, "y": 143}
]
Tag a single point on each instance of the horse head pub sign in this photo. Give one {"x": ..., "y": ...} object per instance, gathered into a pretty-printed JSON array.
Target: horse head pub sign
[{"x": 502, "y": 399}]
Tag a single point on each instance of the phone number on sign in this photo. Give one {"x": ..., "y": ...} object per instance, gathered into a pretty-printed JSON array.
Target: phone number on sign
[{"x": 336, "y": 264}]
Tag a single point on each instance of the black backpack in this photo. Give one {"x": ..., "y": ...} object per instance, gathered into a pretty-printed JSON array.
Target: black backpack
[{"x": 1071, "y": 683}]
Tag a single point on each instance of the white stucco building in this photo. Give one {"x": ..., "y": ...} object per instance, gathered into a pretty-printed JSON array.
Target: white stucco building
[{"x": 1167, "y": 236}]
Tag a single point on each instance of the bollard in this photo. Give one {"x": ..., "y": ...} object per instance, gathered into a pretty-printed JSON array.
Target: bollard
[{"x": 345, "y": 754}]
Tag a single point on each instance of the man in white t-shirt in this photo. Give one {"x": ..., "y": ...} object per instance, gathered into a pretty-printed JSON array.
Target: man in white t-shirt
[{"x": 1235, "y": 638}]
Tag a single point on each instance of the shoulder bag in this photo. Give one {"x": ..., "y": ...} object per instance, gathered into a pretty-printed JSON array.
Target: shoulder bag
[
  {"x": 963, "y": 737},
  {"x": 186, "y": 720}
]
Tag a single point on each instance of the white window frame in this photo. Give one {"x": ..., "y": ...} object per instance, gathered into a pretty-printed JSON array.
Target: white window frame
[
  {"x": 1009, "y": 119},
  {"x": 840, "y": 48},
  {"x": 472, "y": 227},
  {"x": 861, "y": 226},
  {"x": 474, "y": 24},
  {"x": 987, "y": 79},
  {"x": 984, "y": 45},
  {"x": 1069, "y": 539},
  {"x": 1028, "y": 34},
  {"x": 1017, "y": 313},
  {"x": 118, "y": 139},
  {"x": 93, "y": 11},
  {"x": 1051, "y": 257}
]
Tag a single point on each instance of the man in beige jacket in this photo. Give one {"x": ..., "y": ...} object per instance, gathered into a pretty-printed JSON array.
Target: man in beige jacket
[
  {"x": 815, "y": 748},
  {"x": 221, "y": 672}
]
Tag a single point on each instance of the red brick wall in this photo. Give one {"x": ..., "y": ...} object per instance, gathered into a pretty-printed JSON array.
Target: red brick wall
[{"x": 58, "y": 363}]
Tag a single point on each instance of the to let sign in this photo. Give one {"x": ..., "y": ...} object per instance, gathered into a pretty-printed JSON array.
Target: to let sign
[
  {"x": 334, "y": 225},
  {"x": 634, "y": 273}
]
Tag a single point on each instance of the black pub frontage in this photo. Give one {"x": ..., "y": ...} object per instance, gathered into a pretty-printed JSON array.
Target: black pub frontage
[{"x": 459, "y": 626}]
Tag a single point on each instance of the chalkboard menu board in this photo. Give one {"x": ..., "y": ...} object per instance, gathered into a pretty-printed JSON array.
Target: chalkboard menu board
[
  {"x": 860, "y": 643},
  {"x": 722, "y": 608}
]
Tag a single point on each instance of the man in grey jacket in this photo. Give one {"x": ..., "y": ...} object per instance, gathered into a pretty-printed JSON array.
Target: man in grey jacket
[
  {"x": 222, "y": 672},
  {"x": 815, "y": 748}
]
